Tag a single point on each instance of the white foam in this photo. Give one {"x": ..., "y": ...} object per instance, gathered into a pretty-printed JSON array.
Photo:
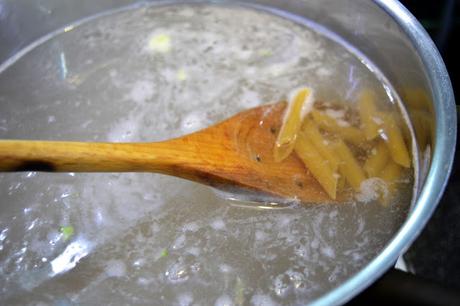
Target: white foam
[
  {"x": 218, "y": 224},
  {"x": 138, "y": 263},
  {"x": 324, "y": 72},
  {"x": 262, "y": 300},
  {"x": 328, "y": 251},
  {"x": 371, "y": 189},
  {"x": 261, "y": 236},
  {"x": 179, "y": 242},
  {"x": 281, "y": 285},
  {"x": 194, "y": 121},
  {"x": 178, "y": 272},
  {"x": 336, "y": 114},
  {"x": 142, "y": 91},
  {"x": 224, "y": 300},
  {"x": 185, "y": 299},
  {"x": 191, "y": 227},
  {"x": 225, "y": 268},
  {"x": 115, "y": 268},
  {"x": 125, "y": 130},
  {"x": 145, "y": 281},
  {"x": 195, "y": 251},
  {"x": 250, "y": 99}
]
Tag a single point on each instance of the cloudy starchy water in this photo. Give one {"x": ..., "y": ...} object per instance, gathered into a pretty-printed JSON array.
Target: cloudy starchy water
[{"x": 149, "y": 74}]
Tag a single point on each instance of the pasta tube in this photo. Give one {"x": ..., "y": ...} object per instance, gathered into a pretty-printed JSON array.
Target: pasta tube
[
  {"x": 377, "y": 160},
  {"x": 299, "y": 104},
  {"x": 393, "y": 138},
  {"x": 318, "y": 166},
  {"x": 348, "y": 133},
  {"x": 349, "y": 166},
  {"x": 310, "y": 130},
  {"x": 391, "y": 172}
]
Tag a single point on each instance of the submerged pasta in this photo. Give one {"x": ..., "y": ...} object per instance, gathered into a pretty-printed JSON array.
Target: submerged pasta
[{"x": 344, "y": 146}]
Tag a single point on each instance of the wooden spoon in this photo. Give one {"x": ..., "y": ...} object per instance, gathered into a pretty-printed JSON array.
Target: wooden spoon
[{"x": 237, "y": 152}]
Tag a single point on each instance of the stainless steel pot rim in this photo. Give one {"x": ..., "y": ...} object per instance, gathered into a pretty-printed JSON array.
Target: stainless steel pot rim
[{"x": 443, "y": 155}]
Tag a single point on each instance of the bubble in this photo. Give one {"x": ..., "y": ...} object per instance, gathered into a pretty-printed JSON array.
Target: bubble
[
  {"x": 281, "y": 285},
  {"x": 297, "y": 279},
  {"x": 181, "y": 271},
  {"x": 179, "y": 242}
]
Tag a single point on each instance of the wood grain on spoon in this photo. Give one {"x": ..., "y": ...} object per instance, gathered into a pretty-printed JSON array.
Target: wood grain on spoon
[{"x": 237, "y": 152}]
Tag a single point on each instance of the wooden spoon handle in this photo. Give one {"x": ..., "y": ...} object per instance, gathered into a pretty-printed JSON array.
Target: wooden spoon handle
[{"x": 56, "y": 156}]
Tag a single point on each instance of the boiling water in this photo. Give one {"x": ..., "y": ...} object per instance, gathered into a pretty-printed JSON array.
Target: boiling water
[{"x": 149, "y": 74}]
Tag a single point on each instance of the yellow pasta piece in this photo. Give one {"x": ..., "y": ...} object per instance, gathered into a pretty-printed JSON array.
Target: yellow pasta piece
[
  {"x": 348, "y": 133},
  {"x": 377, "y": 160},
  {"x": 420, "y": 109},
  {"x": 317, "y": 165},
  {"x": 297, "y": 109},
  {"x": 368, "y": 114},
  {"x": 310, "y": 129},
  {"x": 394, "y": 140},
  {"x": 349, "y": 166},
  {"x": 391, "y": 173},
  {"x": 420, "y": 105},
  {"x": 418, "y": 98}
]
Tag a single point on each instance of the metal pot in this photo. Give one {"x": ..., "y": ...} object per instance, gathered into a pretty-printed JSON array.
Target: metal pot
[{"x": 384, "y": 31}]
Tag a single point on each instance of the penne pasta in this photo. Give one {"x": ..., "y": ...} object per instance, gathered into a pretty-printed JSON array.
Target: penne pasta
[
  {"x": 323, "y": 145},
  {"x": 392, "y": 135},
  {"x": 339, "y": 154},
  {"x": 317, "y": 165},
  {"x": 377, "y": 160},
  {"x": 417, "y": 98},
  {"x": 368, "y": 114},
  {"x": 391, "y": 172},
  {"x": 349, "y": 166},
  {"x": 348, "y": 133},
  {"x": 299, "y": 105}
]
